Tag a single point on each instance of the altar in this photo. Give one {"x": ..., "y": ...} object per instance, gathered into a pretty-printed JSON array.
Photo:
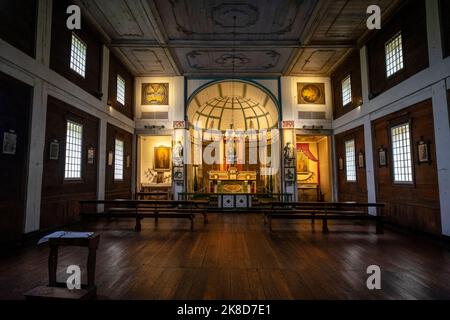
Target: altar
[{"x": 232, "y": 182}]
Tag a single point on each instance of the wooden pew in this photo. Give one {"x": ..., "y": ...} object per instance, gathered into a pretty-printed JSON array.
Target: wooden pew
[
  {"x": 140, "y": 209},
  {"x": 324, "y": 211}
]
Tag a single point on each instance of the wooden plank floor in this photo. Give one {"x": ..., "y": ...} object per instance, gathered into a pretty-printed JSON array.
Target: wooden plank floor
[{"x": 234, "y": 257}]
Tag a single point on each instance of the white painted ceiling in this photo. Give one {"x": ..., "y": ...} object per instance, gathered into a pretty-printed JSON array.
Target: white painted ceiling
[{"x": 223, "y": 38}]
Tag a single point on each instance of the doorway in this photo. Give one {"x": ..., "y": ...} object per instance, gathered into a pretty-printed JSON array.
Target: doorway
[{"x": 314, "y": 170}]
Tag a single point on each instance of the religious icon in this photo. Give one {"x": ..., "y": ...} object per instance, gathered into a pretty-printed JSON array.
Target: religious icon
[
  {"x": 9, "y": 142},
  {"x": 110, "y": 158},
  {"x": 155, "y": 94},
  {"x": 302, "y": 163},
  {"x": 54, "y": 150},
  {"x": 361, "y": 160},
  {"x": 288, "y": 151},
  {"x": 90, "y": 155},
  {"x": 341, "y": 163},
  {"x": 289, "y": 174},
  {"x": 162, "y": 158},
  {"x": 382, "y": 160},
  {"x": 310, "y": 93},
  {"x": 423, "y": 152},
  {"x": 178, "y": 174}
]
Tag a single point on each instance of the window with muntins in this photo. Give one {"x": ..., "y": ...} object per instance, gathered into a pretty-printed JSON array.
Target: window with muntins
[
  {"x": 120, "y": 90},
  {"x": 401, "y": 153},
  {"x": 347, "y": 90},
  {"x": 78, "y": 56},
  {"x": 350, "y": 161},
  {"x": 394, "y": 55},
  {"x": 118, "y": 160},
  {"x": 74, "y": 142}
]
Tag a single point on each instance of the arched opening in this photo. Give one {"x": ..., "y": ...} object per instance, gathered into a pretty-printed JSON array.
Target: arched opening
[{"x": 232, "y": 126}]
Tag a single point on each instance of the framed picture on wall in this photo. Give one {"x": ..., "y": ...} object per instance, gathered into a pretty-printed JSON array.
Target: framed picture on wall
[
  {"x": 91, "y": 155},
  {"x": 53, "y": 150},
  {"x": 289, "y": 174},
  {"x": 9, "y": 142},
  {"x": 423, "y": 152},
  {"x": 110, "y": 158},
  {"x": 128, "y": 161},
  {"x": 162, "y": 158},
  {"x": 155, "y": 94},
  {"x": 341, "y": 163},
  {"x": 361, "y": 160},
  {"x": 178, "y": 174},
  {"x": 382, "y": 157}
]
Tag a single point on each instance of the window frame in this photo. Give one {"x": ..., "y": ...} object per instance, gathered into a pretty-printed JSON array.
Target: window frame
[
  {"x": 342, "y": 91},
  {"x": 392, "y": 124},
  {"x": 124, "y": 90},
  {"x": 399, "y": 33},
  {"x": 85, "y": 58},
  {"x": 354, "y": 160},
  {"x": 115, "y": 159},
  {"x": 80, "y": 123}
]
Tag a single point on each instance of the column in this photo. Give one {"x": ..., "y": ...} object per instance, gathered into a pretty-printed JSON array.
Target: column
[
  {"x": 369, "y": 157},
  {"x": 36, "y": 160},
  {"x": 101, "y": 177},
  {"x": 442, "y": 134}
]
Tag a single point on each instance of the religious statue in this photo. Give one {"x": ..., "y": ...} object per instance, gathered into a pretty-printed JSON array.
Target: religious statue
[
  {"x": 178, "y": 154},
  {"x": 289, "y": 151}
]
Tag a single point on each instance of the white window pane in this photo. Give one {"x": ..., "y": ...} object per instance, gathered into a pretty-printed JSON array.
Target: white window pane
[
  {"x": 347, "y": 90},
  {"x": 401, "y": 153},
  {"x": 118, "y": 160},
  {"x": 394, "y": 55},
  {"x": 350, "y": 160},
  {"x": 120, "y": 90},
  {"x": 74, "y": 133},
  {"x": 78, "y": 56}
]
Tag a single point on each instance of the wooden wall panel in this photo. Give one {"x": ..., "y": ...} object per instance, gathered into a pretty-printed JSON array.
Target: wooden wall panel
[
  {"x": 18, "y": 24},
  {"x": 15, "y": 106},
  {"x": 414, "y": 206},
  {"x": 445, "y": 23},
  {"x": 60, "y": 197},
  {"x": 351, "y": 191},
  {"x": 118, "y": 189},
  {"x": 411, "y": 21},
  {"x": 60, "y": 51},
  {"x": 351, "y": 66},
  {"x": 117, "y": 68}
]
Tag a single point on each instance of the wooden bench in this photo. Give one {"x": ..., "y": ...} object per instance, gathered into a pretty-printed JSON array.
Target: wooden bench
[
  {"x": 140, "y": 209},
  {"x": 324, "y": 211}
]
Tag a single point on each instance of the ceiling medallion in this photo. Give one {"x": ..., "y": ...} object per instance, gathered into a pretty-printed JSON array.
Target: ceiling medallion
[{"x": 224, "y": 15}]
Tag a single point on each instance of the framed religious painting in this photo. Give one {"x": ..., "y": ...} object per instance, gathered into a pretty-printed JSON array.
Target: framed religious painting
[
  {"x": 91, "y": 155},
  {"x": 423, "y": 152},
  {"x": 178, "y": 173},
  {"x": 162, "y": 158},
  {"x": 341, "y": 164},
  {"x": 289, "y": 174},
  {"x": 155, "y": 94},
  {"x": 9, "y": 142},
  {"x": 361, "y": 160},
  {"x": 382, "y": 157},
  {"x": 310, "y": 93},
  {"x": 54, "y": 150}
]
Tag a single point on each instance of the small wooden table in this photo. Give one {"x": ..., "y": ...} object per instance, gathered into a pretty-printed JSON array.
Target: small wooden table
[{"x": 59, "y": 290}]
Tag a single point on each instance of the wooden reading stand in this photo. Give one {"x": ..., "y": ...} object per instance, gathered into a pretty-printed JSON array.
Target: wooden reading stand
[{"x": 59, "y": 290}]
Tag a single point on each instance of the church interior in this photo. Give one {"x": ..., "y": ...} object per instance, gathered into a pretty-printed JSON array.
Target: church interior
[{"x": 217, "y": 150}]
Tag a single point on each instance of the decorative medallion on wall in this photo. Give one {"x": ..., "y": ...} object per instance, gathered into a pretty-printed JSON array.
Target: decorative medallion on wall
[
  {"x": 155, "y": 94},
  {"x": 310, "y": 93}
]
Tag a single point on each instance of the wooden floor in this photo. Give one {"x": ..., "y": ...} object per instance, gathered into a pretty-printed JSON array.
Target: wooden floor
[{"x": 234, "y": 257}]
